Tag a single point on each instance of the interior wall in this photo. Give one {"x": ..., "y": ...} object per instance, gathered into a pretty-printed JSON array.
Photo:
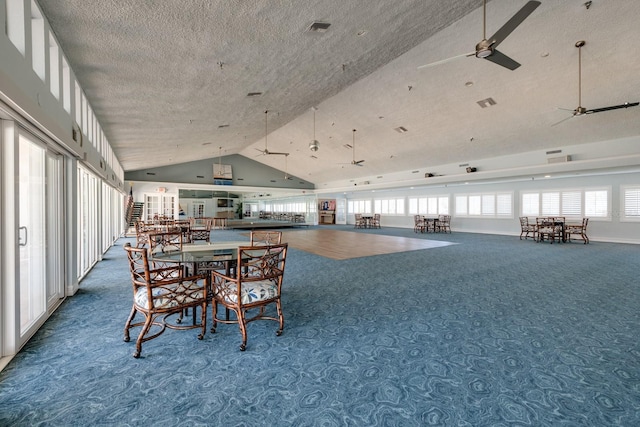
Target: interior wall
[
  {"x": 611, "y": 230},
  {"x": 23, "y": 91},
  {"x": 246, "y": 172}
]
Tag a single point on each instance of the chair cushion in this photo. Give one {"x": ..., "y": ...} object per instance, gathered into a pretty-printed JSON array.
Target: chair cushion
[
  {"x": 170, "y": 296},
  {"x": 251, "y": 291}
]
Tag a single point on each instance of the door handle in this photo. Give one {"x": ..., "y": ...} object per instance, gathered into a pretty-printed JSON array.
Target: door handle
[{"x": 26, "y": 235}]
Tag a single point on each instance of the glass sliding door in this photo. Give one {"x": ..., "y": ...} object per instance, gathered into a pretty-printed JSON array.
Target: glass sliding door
[
  {"x": 55, "y": 229},
  {"x": 40, "y": 232},
  {"x": 32, "y": 233}
]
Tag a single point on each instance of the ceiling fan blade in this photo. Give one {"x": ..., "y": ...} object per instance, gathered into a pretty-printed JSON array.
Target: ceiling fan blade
[
  {"x": 563, "y": 120},
  {"x": 613, "y": 107},
  {"x": 513, "y": 23},
  {"x": 500, "y": 58},
  {"x": 447, "y": 60}
]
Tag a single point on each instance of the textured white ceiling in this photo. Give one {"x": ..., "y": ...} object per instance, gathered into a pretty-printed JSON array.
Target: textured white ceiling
[{"x": 163, "y": 76}]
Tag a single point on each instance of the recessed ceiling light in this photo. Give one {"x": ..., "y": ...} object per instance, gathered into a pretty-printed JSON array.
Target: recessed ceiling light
[
  {"x": 544, "y": 54},
  {"x": 362, "y": 32},
  {"x": 468, "y": 84}
]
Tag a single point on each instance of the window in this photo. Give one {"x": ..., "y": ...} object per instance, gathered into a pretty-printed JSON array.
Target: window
[
  {"x": 66, "y": 86},
  {"x": 630, "y": 203},
  {"x": 432, "y": 205},
  {"x": 486, "y": 205},
  {"x": 389, "y": 206},
  {"x": 37, "y": 42},
  {"x": 595, "y": 204},
  {"x": 592, "y": 203},
  {"x": 15, "y": 24},
  {"x": 359, "y": 206},
  {"x": 54, "y": 67},
  {"x": 78, "y": 104}
]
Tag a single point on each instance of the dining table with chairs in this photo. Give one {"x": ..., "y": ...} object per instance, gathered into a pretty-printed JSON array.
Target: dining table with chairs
[{"x": 553, "y": 229}]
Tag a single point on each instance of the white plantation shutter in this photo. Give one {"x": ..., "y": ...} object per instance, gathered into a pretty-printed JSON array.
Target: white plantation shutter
[
  {"x": 443, "y": 205},
  {"x": 530, "y": 204},
  {"x": 488, "y": 204},
  {"x": 461, "y": 205},
  {"x": 596, "y": 203},
  {"x": 503, "y": 205},
  {"x": 551, "y": 204},
  {"x": 631, "y": 197},
  {"x": 475, "y": 205},
  {"x": 572, "y": 203}
]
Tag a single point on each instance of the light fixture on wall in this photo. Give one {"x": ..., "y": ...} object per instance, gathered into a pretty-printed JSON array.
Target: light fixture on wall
[{"x": 314, "y": 145}]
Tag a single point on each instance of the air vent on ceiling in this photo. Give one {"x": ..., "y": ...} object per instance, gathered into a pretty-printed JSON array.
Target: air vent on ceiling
[
  {"x": 464, "y": 165},
  {"x": 222, "y": 126},
  {"x": 401, "y": 129},
  {"x": 559, "y": 159},
  {"x": 554, "y": 152},
  {"x": 199, "y": 176},
  {"x": 319, "y": 27},
  {"x": 348, "y": 146},
  {"x": 151, "y": 173},
  {"x": 484, "y": 103},
  {"x": 254, "y": 94}
]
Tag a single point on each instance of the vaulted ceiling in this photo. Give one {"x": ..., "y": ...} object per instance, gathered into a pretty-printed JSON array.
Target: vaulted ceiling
[{"x": 174, "y": 81}]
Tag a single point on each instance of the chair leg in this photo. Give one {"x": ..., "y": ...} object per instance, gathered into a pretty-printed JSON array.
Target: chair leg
[
  {"x": 203, "y": 319},
  {"x": 143, "y": 332},
  {"x": 280, "y": 317},
  {"x": 243, "y": 329},
  {"x": 214, "y": 314},
  {"x": 127, "y": 325}
]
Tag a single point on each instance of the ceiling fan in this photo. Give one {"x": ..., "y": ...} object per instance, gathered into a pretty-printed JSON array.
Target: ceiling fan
[
  {"x": 486, "y": 48},
  {"x": 287, "y": 177},
  {"x": 266, "y": 151},
  {"x": 353, "y": 148},
  {"x": 580, "y": 110}
]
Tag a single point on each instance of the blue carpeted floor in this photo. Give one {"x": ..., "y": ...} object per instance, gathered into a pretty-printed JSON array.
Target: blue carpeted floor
[{"x": 493, "y": 331}]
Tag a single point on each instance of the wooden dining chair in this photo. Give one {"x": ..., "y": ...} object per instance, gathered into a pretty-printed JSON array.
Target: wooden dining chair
[
  {"x": 418, "y": 224},
  {"x": 160, "y": 293},
  {"x": 256, "y": 285},
  {"x": 444, "y": 223},
  {"x": 550, "y": 228},
  {"x": 265, "y": 237},
  {"x": 375, "y": 221},
  {"x": 579, "y": 230},
  {"x": 360, "y": 222},
  {"x": 527, "y": 229},
  {"x": 200, "y": 229}
]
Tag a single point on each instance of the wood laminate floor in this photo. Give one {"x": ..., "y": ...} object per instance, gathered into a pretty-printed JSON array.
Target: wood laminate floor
[{"x": 339, "y": 245}]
